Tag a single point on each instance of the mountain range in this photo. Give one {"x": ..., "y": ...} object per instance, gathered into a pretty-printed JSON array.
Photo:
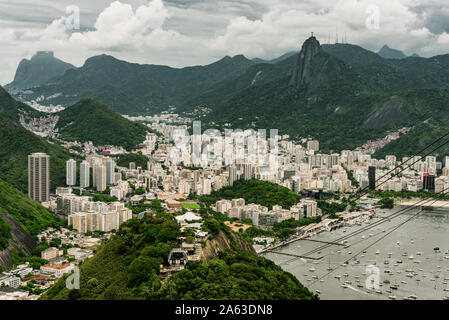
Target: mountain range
[
  {"x": 340, "y": 94},
  {"x": 41, "y": 68}
]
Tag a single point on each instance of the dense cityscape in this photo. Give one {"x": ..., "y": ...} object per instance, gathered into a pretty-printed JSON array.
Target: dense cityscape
[
  {"x": 224, "y": 157},
  {"x": 99, "y": 196}
]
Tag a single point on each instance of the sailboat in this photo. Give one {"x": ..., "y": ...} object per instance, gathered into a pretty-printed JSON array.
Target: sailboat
[{"x": 329, "y": 268}]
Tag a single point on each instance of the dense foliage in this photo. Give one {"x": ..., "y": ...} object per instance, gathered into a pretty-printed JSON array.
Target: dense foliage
[
  {"x": 255, "y": 191},
  {"x": 241, "y": 275},
  {"x": 5, "y": 234},
  {"x": 387, "y": 203},
  {"x": 16, "y": 143},
  {"x": 89, "y": 120},
  {"x": 331, "y": 208},
  {"x": 31, "y": 215},
  {"x": 139, "y": 159}
]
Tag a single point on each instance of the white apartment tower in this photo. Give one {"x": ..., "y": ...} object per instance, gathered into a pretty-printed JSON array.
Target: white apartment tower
[
  {"x": 110, "y": 170},
  {"x": 71, "y": 172},
  {"x": 232, "y": 175},
  {"x": 85, "y": 174}
]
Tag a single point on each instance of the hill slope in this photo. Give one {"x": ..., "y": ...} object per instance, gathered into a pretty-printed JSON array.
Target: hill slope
[
  {"x": 389, "y": 53},
  {"x": 89, "y": 120},
  {"x": 42, "y": 67},
  {"x": 14, "y": 108},
  {"x": 131, "y": 88},
  {"x": 127, "y": 267},
  {"x": 16, "y": 143},
  {"x": 20, "y": 218},
  {"x": 342, "y": 95}
]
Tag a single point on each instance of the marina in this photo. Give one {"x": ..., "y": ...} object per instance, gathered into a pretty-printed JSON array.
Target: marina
[{"x": 392, "y": 259}]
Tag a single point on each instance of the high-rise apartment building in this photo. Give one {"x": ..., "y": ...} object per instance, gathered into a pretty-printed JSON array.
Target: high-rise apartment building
[
  {"x": 39, "y": 177},
  {"x": 110, "y": 172},
  {"x": 232, "y": 175},
  {"x": 100, "y": 177},
  {"x": 247, "y": 171},
  {"x": 84, "y": 174},
  {"x": 372, "y": 178},
  {"x": 71, "y": 172}
]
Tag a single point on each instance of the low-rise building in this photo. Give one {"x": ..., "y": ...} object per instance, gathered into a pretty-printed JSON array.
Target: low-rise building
[
  {"x": 50, "y": 253},
  {"x": 57, "y": 271},
  {"x": 10, "y": 281}
]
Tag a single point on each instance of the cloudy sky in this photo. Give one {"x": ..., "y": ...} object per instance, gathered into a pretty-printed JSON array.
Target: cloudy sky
[{"x": 190, "y": 32}]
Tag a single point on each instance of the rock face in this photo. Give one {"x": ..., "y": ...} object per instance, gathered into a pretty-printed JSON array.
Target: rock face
[
  {"x": 303, "y": 71},
  {"x": 315, "y": 68},
  {"x": 222, "y": 242},
  {"x": 21, "y": 241},
  {"x": 389, "y": 53},
  {"x": 42, "y": 67},
  {"x": 392, "y": 111}
]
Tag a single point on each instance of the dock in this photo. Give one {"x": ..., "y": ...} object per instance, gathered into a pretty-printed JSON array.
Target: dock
[
  {"x": 328, "y": 242},
  {"x": 294, "y": 255}
]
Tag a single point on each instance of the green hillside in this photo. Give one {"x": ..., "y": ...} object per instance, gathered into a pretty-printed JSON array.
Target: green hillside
[
  {"x": 127, "y": 267},
  {"x": 89, "y": 120},
  {"x": 139, "y": 159},
  {"x": 342, "y": 103},
  {"x": 13, "y": 108},
  {"x": 31, "y": 215},
  {"x": 16, "y": 143},
  {"x": 260, "y": 192},
  {"x": 131, "y": 88}
]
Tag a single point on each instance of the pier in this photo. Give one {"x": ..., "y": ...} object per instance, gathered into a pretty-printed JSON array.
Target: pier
[
  {"x": 294, "y": 255},
  {"x": 328, "y": 242}
]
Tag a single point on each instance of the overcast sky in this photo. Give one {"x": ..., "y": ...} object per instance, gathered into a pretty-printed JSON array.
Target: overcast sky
[{"x": 190, "y": 32}]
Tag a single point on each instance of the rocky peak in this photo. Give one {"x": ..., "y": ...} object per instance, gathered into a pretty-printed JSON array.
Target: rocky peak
[
  {"x": 42, "y": 67},
  {"x": 303, "y": 71}
]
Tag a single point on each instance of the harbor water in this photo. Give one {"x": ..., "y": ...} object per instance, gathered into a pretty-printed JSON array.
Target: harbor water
[{"x": 405, "y": 263}]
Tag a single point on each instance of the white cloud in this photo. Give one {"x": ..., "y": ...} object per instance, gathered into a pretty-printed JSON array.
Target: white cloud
[{"x": 188, "y": 32}]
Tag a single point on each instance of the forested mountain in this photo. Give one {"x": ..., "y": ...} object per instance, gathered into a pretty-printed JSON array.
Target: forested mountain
[
  {"x": 20, "y": 219},
  {"x": 41, "y": 68},
  {"x": 344, "y": 95},
  {"x": 390, "y": 53},
  {"x": 131, "y": 88},
  {"x": 16, "y": 143},
  {"x": 89, "y": 120}
]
